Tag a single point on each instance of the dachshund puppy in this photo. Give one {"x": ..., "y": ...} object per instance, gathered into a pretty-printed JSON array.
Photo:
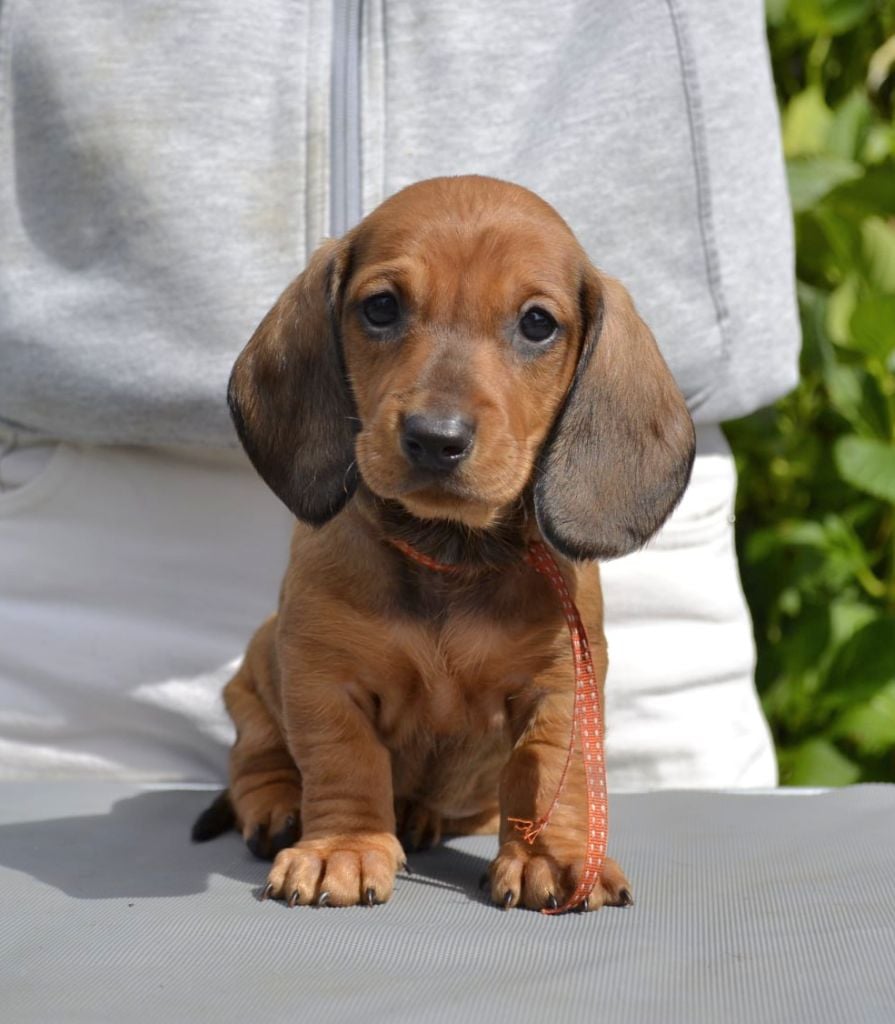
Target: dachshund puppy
[{"x": 454, "y": 376}]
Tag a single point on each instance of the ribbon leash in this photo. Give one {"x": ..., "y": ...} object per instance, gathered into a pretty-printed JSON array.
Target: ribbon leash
[{"x": 587, "y": 726}]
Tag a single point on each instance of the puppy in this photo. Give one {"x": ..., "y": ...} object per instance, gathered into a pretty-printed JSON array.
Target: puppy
[{"x": 449, "y": 382}]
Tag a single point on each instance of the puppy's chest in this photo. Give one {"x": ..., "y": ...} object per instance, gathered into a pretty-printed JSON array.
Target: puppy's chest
[{"x": 464, "y": 677}]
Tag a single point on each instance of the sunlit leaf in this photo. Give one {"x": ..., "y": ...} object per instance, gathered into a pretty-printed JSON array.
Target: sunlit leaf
[
  {"x": 868, "y": 464},
  {"x": 775, "y": 11},
  {"x": 878, "y": 246},
  {"x": 870, "y": 726},
  {"x": 840, "y": 308},
  {"x": 811, "y": 534},
  {"x": 848, "y": 126},
  {"x": 872, "y": 326},
  {"x": 813, "y": 177},
  {"x": 879, "y": 144},
  {"x": 817, "y": 763},
  {"x": 830, "y": 17},
  {"x": 856, "y": 395},
  {"x": 880, "y": 65},
  {"x": 847, "y": 617},
  {"x": 806, "y": 124}
]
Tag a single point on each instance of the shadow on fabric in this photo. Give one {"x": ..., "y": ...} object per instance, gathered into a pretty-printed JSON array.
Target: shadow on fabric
[{"x": 142, "y": 848}]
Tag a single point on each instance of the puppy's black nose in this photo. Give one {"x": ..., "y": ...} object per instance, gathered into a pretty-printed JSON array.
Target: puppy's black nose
[{"x": 436, "y": 443}]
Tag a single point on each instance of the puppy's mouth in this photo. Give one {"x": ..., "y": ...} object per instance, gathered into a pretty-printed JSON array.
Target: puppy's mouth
[
  {"x": 445, "y": 496},
  {"x": 431, "y": 496}
]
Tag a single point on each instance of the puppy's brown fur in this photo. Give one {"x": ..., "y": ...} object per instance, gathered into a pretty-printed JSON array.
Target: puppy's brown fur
[{"x": 387, "y": 698}]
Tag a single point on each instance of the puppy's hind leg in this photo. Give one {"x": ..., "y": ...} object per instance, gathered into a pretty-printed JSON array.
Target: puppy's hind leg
[{"x": 263, "y": 800}]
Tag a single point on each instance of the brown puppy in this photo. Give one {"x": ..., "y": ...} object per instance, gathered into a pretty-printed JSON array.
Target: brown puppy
[{"x": 453, "y": 373}]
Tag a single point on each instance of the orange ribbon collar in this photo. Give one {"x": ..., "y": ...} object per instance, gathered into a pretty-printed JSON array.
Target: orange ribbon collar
[{"x": 587, "y": 725}]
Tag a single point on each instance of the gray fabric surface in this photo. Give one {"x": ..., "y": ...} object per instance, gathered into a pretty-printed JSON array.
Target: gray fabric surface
[{"x": 765, "y": 908}]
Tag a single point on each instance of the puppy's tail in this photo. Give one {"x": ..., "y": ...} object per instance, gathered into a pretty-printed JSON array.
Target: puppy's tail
[{"x": 214, "y": 820}]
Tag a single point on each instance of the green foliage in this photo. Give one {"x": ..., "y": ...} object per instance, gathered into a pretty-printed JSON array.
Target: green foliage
[{"x": 816, "y": 508}]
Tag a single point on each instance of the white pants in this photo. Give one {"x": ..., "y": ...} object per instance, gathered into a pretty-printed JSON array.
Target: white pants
[{"x": 131, "y": 579}]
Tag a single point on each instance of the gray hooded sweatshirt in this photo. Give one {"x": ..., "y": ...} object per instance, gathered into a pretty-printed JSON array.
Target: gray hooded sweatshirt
[{"x": 167, "y": 168}]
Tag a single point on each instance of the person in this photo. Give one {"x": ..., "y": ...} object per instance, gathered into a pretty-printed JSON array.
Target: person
[{"x": 165, "y": 170}]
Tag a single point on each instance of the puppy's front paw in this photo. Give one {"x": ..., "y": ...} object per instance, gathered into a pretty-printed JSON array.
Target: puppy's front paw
[
  {"x": 339, "y": 871},
  {"x": 530, "y": 877}
]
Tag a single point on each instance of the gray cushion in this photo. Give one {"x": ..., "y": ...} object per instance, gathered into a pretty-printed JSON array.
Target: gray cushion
[{"x": 758, "y": 907}]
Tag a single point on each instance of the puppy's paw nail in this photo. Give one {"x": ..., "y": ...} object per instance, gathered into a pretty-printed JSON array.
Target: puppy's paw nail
[
  {"x": 405, "y": 867},
  {"x": 370, "y": 897},
  {"x": 507, "y": 899},
  {"x": 267, "y": 891},
  {"x": 294, "y": 898},
  {"x": 552, "y": 902},
  {"x": 625, "y": 899},
  {"x": 323, "y": 899}
]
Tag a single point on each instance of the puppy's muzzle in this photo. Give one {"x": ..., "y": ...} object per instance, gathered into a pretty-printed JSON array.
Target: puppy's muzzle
[{"x": 437, "y": 443}]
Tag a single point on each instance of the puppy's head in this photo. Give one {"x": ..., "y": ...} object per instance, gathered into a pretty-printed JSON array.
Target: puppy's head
[{"x": 454, "y": 349}]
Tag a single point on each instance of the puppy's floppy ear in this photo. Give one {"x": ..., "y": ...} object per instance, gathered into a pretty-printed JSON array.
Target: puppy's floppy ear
[
  {"x": 290, "y": 399},
  {"x": 620, "y": 452}
]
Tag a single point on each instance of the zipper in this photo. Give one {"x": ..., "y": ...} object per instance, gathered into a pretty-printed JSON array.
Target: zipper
[{"x": 346, "y": 206}]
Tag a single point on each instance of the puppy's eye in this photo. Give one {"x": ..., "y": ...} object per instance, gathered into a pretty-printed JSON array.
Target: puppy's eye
[
  {"x": 537, "y": 324},
  {"x": 381, "y": 310}
]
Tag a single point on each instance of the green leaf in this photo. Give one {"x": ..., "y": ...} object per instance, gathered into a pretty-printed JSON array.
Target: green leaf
[
  {"x": 830, "y": 17},
  {"x": 806, "y": 642},
  {"x": 805, "y": 534},
  {"x": 879, "y": 144},
  {"x": 846, "y": 558},
  {"x": 880, "y": 65},
  {"x": 855, "y": 394},
  {"x": 813, "y": 177},
  {"x": 863, "y": 666},
  {"x": 848, "y": 616},
  {"x": 868, "y": 464},
  {"x": 817, "y": 763},
  {"x": 840, "y": 308},
  {"x": 843, "y": 236},
  {"x": 872, "y": 326},
  {"x": 878, "y": 250},
  {"x": 870, "y": 195},
  {"x": 870, "y": 726},
  {"x": 848, "y": 126},
  {"x": 806, "y": 123},
  {"x": 813, "y": 316},
  {"x": 775, "y": 11}
]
